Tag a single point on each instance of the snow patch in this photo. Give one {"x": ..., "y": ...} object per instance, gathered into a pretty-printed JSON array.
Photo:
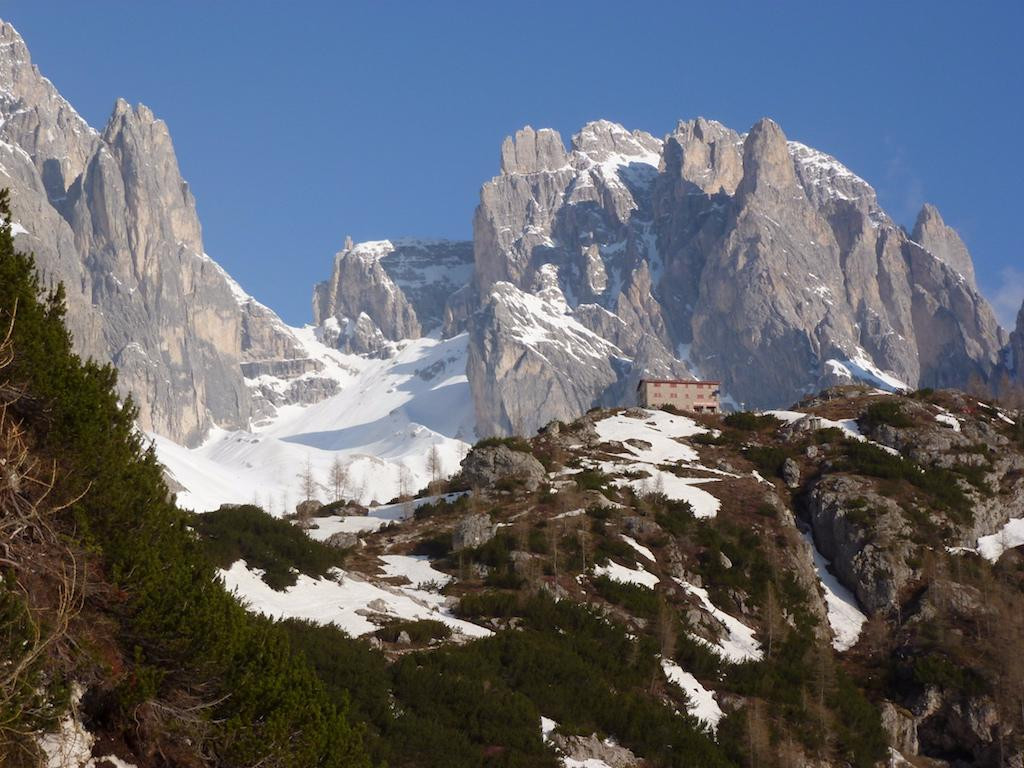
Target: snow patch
[
  {"x": 860, "y": 367},
  {"x": 1009, "y": 536},
  {"x": 844, "y": 616},
  {"x": 624, "y": 575},
  {"x": 382, "y": 425},
  {"x": 702, "y": 702},
  {"x": 345, "y": 600},
  {"x": 639, "y": 547},
  {"x": 662, "y": 432},
  {"x": 739, "y": 645}
]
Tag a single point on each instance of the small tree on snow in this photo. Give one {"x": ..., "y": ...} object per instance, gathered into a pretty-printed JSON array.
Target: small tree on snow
[
  {"x": 434, "y": 464},
  {"x": 338, "y": 479},
  {"x": 308, "y": 486}
]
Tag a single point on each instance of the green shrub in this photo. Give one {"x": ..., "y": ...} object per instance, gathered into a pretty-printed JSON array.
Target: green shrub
[
  {"x": 442, "y": 507},
  {"x": 767, "y": 458},
  {"x": 515, "y": 443},
  {"x": 419, "y": 632},
  {"x": 888, "y": 412},
  {"x": 275, "y": 546},
  {"x": 861, "y": 738},
  {"x": 868, "y": 459},
  {"x": 638, "y": 600},
  {"x": 828, "y": 436},
  {"x": 434, "y": 546},
  {"x": 479, "y": 605},
  {"x": 941, "y": 671},
  {"x": 674, "y": 515},
  {"x": 591, "y": 480},
  {"x": 697, "y": 656},
  {"x": 613, "y": 546},
  {"x": 746, "y": 421}
]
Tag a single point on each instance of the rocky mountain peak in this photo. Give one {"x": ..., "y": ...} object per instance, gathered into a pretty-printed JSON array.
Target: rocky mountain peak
[
  {"x": 533, "y": 151},
  {"x": 767, "y": 164},
  {"x": 38, "y": 120},
  {"x": 943, "y": 242},
  {"x": 705, "y": 154},
  {"x": 142, "y": 146},
  {"x": 603, "y": 141}
]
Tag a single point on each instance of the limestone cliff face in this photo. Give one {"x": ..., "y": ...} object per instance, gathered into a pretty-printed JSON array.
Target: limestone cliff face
[
  {"x": 747, "y": 258},
  {"x": 171, "y": 324},
  {"x": 110, "y": 216}
]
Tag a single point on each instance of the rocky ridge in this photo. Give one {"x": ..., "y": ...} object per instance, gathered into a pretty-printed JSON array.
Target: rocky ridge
[
  {"x": 622, "y": 256},
  {"x": 683, "y": 253},
  {"x": 108, "y": 214}
]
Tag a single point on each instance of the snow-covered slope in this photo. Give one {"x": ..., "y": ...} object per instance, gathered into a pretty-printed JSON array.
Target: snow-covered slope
[{"x": 382, "y": 424}]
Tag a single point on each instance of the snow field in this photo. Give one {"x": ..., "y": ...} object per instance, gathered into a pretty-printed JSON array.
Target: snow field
[{"x": 382, "y": 425}]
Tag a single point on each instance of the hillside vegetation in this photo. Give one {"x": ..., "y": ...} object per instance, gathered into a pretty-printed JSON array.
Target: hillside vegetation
[{"x": 106, "y": 591}]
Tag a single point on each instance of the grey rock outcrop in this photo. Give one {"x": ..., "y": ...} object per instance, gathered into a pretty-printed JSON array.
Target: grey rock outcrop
[
  {"x": 791, "y": 473},
  {"x": 866, "y": 538},
  {"x": 563, "y": 248},
  {"x": 900, "y": 727},
  {"x": 590, "y": 749},
  {"x": 746, "y": 258},
  {"x": 486, "y": 466},
  {"x": 359, "y": 286},
  {"x": 472, "y": 531}
]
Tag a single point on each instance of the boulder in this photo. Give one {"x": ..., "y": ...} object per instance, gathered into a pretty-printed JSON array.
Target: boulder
[
  {"x": 485, "y": 467},
  {"x": 343, "y": 540},
  {"x": 308, "y": 508}
]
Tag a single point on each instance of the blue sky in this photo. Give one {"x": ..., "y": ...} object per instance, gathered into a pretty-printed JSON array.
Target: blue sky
[{"x": 297, "y": 124}]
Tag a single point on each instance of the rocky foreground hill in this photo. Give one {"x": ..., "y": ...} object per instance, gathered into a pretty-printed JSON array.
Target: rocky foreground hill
[{"x": 836, "y": 584}]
